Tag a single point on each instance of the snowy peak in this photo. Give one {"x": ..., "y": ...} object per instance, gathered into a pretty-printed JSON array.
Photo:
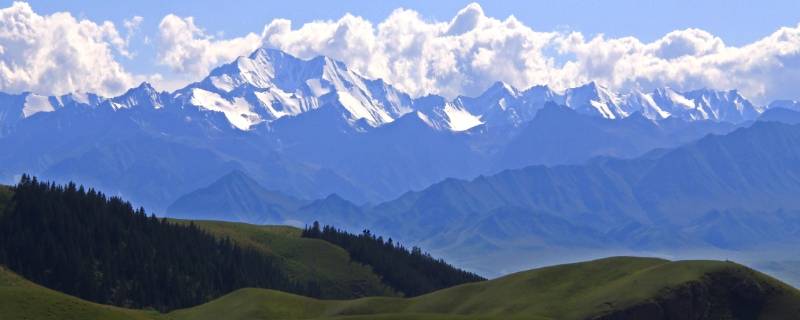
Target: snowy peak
[
  {"x": 142, "y": 96},
  {"x": 499, "y": 90},
  {"x": 34, "y": 103},
  {"x": 498, "y": 95},
  {"x": 646, "y": 106},
  {"x": 706, "y": 104},
  {"x": 270, "y": 84},
  {"x": 724, "y": 105},
  {"x": 594, "y": 99},
  {"x": 542, "y": 93}
]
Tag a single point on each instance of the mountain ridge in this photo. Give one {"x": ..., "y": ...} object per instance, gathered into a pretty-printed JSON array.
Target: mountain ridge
[{"x": 269, "y": 84}]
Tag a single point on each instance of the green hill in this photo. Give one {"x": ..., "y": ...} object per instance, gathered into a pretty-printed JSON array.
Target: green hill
[
  {"x": 305, "y": 259},
  {"x": 22, "y": 299},
  {"x": 613, "y": 288}
]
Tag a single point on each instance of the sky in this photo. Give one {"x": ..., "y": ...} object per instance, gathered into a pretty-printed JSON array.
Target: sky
[{"x": 422, "y": 47}]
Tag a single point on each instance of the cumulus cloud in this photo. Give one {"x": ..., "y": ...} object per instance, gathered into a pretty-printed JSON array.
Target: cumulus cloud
[
  {"x": 186, "y": 48},
  {"x": 471, "y": 51},
  {"x": 56, "y": 54}
]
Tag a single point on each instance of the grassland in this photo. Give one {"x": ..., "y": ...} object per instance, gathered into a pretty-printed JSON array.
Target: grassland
[
  {"x": 573, "y": 291},
  {"x": 21, "y": 299}
]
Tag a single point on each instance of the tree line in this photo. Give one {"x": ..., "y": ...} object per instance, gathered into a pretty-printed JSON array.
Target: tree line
[
  {"x": 101, "y": 249},
  {"x": 411, "y": 272}
]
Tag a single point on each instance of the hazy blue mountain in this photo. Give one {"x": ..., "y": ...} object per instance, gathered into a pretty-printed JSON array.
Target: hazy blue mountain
[
  {"x": 332, "y": 209},
  {"x": 559, "y": 135},
  {"x": 235, "y": 197},
  {"x": 722, "y": 192},
  {"x": 781, "y": 114}
]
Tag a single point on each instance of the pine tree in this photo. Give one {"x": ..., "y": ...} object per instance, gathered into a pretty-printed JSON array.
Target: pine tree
[
  {"x": 411, "y": 272},
  {"x": 101, "y": 249}
]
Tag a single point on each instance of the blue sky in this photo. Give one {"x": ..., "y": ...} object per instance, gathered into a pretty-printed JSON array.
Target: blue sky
[{"x": 737, "y": 23}]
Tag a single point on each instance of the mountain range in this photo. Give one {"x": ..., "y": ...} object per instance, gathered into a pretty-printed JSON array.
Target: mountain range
[{"x": 311, "y": 128}]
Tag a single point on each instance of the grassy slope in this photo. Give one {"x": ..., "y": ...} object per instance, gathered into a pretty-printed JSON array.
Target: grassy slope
[
  {"x": 573, "y": 291},
  {"x": 305, "y": 259},
  {"x": 21, "y": 299}
]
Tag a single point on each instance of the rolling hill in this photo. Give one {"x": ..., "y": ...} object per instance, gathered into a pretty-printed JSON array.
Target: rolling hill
[
  {"x": 612, "y": 288},
  {"x": 304, "y": 259}
]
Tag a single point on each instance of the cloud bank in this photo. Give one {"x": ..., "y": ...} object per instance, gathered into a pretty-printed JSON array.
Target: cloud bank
[
  {"x": 54, "y": 54},
  {"x": 58, "y": 54},
  {"x": 469, "y": 52}
]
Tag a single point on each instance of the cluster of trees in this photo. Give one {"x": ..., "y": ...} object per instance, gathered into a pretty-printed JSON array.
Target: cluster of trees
[
  {"x": 411, "y": 272},
  {"x": 99, "y": 248}
]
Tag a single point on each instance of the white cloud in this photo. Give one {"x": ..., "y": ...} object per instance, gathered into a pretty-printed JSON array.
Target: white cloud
[
  {"x": 186, "y": 48},
  {"x": 58, "y": 53},
  {"x": 469, "y": 52}
]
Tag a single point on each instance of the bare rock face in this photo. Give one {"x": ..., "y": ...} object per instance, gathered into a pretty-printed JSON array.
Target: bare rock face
[{"x": 723, "y": 295}]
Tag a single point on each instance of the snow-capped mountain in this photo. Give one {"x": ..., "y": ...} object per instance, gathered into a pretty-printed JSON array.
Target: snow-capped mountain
[
  {"x": 17, "y": 107},
  {"x": 593, "y": 99},
  {"x": 143, "y": 96},
  {"x": 270, "y": 84},
  {"x": 503, "y": 105},
  {"x": 706, "y": 104}
]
